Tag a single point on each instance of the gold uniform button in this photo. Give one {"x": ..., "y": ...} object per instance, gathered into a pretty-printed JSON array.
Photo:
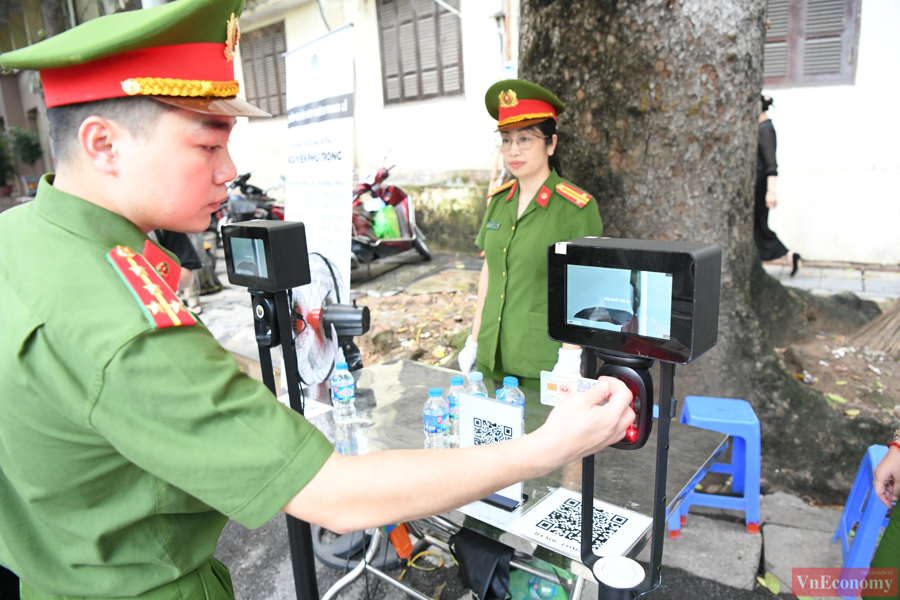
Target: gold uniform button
[
  {"x": 504, "y": 249},
  {"x": 513, "y": 227},
  {"x": 504, "y": 273},
  {"x": 498, "y": 318},
  {"x": 501, "y": 296}
]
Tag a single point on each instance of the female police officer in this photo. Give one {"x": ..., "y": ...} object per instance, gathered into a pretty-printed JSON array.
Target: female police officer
[{"x": 537, "y": 208}]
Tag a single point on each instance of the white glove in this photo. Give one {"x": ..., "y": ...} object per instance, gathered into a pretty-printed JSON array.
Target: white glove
[
  {"x": 467, "y": 355},
  {"x": 568, "y": 363}
]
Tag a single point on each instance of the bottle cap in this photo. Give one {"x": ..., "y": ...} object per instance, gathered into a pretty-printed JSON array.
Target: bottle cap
[
  {"x": 510, "y": 382},
  {"x": 456, "y": 380},
  {"x": 341, "y": 366},
  {"x": 475, "y": 376},
  {"x": 435, "y": 392}
]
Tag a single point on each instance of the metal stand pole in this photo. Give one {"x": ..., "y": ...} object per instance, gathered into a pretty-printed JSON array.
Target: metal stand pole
[
  {"x": 272, "y": 321},
  {"x": 654, "y": 577}
]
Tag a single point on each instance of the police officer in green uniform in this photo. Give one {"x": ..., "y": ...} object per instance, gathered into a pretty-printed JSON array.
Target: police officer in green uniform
[
  {"x": 887, "y": 555},
  {"x": 535, "y": 209},
  {"x": 128, "y": 434}
]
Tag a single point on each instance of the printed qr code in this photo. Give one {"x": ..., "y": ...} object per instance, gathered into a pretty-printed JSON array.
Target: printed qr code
[
  {"x": 487, "y": 432},
  {"x": 565, "y": 521}
]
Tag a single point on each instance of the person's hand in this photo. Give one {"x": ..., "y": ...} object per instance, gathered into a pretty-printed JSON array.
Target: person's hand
[
  {"x": 569, "y": 362},
  {"x": 887, "y": 477},
  {"x": 771, "y": 199},
  {"x": 467, "y": 356},
  {"x": 589, "y": 421}
]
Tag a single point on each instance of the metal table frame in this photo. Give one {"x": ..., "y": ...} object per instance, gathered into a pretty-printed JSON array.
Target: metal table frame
[{"x": 388, "y": 402}]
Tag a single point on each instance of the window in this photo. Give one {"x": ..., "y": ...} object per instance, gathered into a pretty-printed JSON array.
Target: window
[
  {"x": 811, "y": 42},
  {"x": 421, "y": 50},
  {"x": 262, "y": 58}
]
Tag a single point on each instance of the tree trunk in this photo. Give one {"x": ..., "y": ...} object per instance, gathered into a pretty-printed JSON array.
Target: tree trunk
[{"x": 662, "y": 106}]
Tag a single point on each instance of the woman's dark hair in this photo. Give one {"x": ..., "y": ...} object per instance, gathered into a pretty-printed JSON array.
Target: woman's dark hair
[
  {"x": 766, "y": 102},
  {"x": 547, "y": 128}
]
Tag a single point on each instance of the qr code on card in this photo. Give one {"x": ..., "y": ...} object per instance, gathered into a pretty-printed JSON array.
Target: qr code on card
[
  {"x": 565, "y": 522},
  {"x": 487, "y": 432}
]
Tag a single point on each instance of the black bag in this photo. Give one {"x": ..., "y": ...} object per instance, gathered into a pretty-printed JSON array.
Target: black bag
[{"x": 483, "y": 564}]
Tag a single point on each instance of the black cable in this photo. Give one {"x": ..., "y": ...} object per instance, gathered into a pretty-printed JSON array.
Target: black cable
[
  {"x": 653, "y": 589},
  {"x": 347, "y": 562}
]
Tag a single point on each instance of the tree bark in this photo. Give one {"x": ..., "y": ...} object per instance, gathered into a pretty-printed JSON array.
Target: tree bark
[{"x": 662, "y": 106}]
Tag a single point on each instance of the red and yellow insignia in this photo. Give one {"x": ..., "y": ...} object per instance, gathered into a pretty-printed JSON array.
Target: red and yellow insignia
[
  {"x": 543, "y": 197},
  {"x": 508, "y": 99},
  {"x": 497, "y": 190},
  {"x": 512, "y": 190},
  {"x": 168, "y": 270},
  {"x": 568, "y": 191},
  {"x": 233, "y": 36},
  {"x": 159, "y": 303}
]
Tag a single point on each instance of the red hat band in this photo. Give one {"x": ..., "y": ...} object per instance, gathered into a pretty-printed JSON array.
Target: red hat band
[
  {"x": 187, "y": 70},
  {"x": 513, "y": 110}
]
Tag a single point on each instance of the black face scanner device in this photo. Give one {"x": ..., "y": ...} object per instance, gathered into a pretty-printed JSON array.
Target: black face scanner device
[
  {"x": 270, "y": 258},
  {"x": 629, "y": 303}
]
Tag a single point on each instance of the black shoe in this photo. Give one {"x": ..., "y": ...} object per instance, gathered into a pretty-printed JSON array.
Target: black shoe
[{"x": 797, "y": 260}]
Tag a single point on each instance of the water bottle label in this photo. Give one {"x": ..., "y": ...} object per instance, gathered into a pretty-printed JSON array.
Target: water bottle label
[
  {"x": 434, "y": 423},
  {"x": 342, "y": 392}
]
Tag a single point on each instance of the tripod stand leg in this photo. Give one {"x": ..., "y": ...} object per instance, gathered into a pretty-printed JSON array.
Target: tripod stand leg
[{"x": 302, "y": 559}]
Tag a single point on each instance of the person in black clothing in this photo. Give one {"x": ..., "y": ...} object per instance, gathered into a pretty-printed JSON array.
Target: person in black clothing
[{"x": 770, "y": 247}]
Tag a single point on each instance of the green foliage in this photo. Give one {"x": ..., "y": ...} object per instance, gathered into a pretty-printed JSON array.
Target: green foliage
[
  {"x": 26, "y": 145},
  {"x": 7, "y": 169},
  {"x": 771, "y": 583}
]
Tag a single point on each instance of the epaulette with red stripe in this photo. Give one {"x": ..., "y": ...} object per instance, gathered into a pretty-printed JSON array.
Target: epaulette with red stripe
[
  {"x": 505, "y": 186},
  {"x": 578, "y": 197},
  {"x": 156, "y": 299}
]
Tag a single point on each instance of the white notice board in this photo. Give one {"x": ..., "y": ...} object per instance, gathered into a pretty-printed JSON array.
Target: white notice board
[{"x": 319, "y": 182}]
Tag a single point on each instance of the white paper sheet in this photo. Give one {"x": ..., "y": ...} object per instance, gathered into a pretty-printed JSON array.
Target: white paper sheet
[
  {"x": 311, "y": 408},
  {"x": 555, "y": 523},
  {"x": 484, "y": 421}
]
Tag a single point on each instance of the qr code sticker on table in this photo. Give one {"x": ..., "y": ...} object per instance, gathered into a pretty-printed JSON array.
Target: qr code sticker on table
[
  {"x": 565, "y": 521},
  {"x": 487, "y": 432}
]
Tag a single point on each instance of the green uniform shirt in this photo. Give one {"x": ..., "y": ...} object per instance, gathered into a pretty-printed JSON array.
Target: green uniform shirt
[
  {"x": 514, "y": 318},
  {"x": 122, "y": 447}
]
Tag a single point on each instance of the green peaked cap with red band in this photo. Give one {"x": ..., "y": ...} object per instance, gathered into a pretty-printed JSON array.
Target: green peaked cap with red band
[
  {"x": 181, "y": 53},
  {"x": 517, "y": 103}
]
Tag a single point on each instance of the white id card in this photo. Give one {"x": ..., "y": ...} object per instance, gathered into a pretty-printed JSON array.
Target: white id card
[{"x": 555, "y": 388}]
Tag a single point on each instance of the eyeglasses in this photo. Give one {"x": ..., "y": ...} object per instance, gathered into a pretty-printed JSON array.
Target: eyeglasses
[{"x": 523, "y": 141}]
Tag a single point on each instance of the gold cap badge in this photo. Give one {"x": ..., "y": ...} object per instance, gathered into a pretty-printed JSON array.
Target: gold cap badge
[
  {"x": 508, "y": 99},
  {"x": 232, "y": 38}
]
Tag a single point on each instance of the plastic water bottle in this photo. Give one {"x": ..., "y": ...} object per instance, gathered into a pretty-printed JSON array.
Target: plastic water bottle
[
  {"x": 435, "y": 414},
  {"x": 343, "y": 394},
  {"x": 511, "y": 393},
  {"x": 456, "y": 387},
  {"x": 345, "y": 440},
  {"x": 476, "y": 385}
]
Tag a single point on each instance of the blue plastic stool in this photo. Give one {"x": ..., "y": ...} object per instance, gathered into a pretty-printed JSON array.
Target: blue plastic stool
[
  {"x": 737, "y": 419},
  {"x": 862, "y": 507}
]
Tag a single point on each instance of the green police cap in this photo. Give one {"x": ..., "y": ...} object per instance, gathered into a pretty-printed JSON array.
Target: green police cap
[
  {"x": 181, "y": 53},
  {"x": 516, "y": 103}
]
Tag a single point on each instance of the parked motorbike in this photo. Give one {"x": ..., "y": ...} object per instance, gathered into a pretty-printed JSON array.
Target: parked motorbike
[
  {"x": 245, "y": 202},
  {"x": 376, "y": 233}
]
